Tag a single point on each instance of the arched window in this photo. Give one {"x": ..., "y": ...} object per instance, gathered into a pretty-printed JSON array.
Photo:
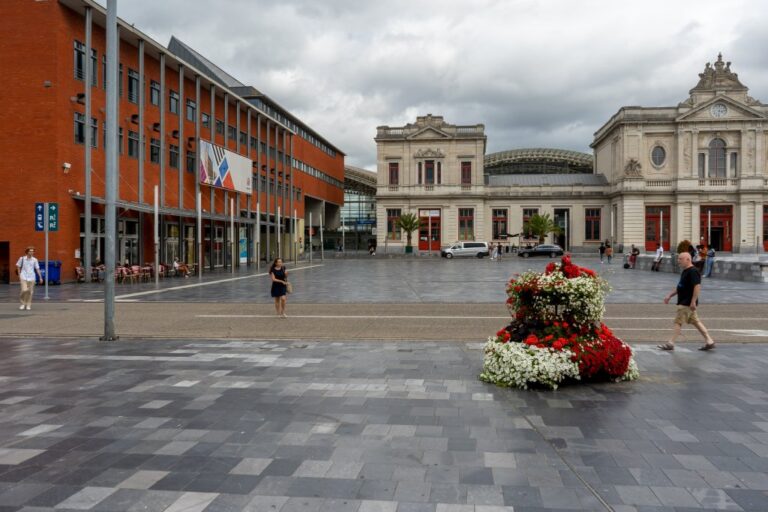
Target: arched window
[{"x": 717, "y": 158}]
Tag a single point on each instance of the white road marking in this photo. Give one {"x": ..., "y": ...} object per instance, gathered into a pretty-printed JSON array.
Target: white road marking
[{"x": 197, "y": 285}]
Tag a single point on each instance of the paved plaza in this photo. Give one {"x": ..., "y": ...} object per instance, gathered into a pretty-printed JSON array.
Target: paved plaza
[{"x": 366, "y": 399}]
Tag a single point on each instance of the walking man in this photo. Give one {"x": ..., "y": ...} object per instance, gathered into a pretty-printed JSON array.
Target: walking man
[
  {"x": 26, "y": 268},
  {"x": 602, "y": 251},
  {"x": 657, "y": 258},
  {"x": 687, "y": 291}
]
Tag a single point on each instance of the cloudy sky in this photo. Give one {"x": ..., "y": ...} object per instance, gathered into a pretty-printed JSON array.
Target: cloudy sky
[{"x": 535, "y": 72}]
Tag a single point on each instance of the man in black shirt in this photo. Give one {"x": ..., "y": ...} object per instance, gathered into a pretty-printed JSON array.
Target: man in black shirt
[{"x": 687, "y": 291}]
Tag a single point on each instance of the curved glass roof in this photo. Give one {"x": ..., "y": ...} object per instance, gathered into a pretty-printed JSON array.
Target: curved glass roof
[{"x": 575, "y": 158}]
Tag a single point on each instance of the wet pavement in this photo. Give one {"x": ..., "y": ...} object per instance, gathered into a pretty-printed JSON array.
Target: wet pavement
[
  {"x": 286, "y": 426},
  {"x": 418, "y": 280}
]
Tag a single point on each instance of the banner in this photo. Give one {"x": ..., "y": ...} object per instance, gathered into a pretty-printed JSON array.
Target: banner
[{"x": 222, "y": 168}]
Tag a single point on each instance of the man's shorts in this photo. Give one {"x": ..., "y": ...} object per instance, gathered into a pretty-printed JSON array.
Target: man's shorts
[{"x": 685, "y": 315}]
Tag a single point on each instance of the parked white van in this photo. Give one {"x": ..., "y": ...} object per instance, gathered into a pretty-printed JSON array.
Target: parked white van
[{"x": 457, "y": 249}]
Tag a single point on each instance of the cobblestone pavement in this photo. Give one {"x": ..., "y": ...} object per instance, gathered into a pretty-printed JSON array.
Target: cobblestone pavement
[
  {"x": 303, "y": 426},
  {"x": 426, "y": 280}
]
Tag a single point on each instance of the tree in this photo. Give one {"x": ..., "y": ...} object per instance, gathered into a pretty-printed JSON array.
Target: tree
[
  {"x": 409, "y": 223},
  {"x": 541, "y": 226}
]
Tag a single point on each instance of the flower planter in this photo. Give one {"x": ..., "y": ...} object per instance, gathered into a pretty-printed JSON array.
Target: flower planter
[{"x": 556, "y": 335}]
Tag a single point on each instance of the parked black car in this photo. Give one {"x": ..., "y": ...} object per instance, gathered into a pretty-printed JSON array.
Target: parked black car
[{"x": 550, "y": 250}]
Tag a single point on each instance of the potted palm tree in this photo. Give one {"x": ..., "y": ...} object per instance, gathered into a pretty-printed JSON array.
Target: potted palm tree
[
  {"x": 541, "y": 226},
  {"x": 409, "y": 223}
]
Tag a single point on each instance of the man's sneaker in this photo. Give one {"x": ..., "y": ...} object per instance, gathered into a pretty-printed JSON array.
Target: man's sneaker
[
  {"x": 22, "y": 307},
  {"x": 29, "y": 308}
]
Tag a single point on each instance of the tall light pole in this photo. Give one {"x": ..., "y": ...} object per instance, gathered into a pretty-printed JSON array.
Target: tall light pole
[{"x": 111, "y": 173}]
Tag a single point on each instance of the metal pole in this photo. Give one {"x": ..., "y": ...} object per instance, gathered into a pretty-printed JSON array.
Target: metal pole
[
  {"x": 87, "y": 256},
  {"x": 295, "y": 239},
  {"x": 310, "y": 237},
  {"x": 47, "y": 265},
  {"x": 258, "y": 232},
  {"x": 291, "y": 205},
  {"x": 156, "y": 237},
  {"x": 567, "y": 240},
  {"x": 661, "y": 228},
  {"x": 279, "y": 235},
  {"x": 709, "y": 228},
  {"x": 322, "y": 248},
  {"x": 200, "y": 255},
  {"x": 111, "y": 173},
  {"x": 232, "y": 230},
  {"x": 343, "y": 238},
  {"x": 429, "y": 233}
]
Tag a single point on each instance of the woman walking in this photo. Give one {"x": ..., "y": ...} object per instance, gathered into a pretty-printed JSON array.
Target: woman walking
[{"x": 279, "y": 276}]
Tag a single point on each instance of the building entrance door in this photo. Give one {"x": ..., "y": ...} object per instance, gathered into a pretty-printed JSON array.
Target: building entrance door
[
  {"x": 657, "y": 221},
  {"x": 218, "y": 246},
  {"x": 562, "y": 221},
  {"x": 716, "y": 225},
  {"x": 5, "y": 262},
  {"x": 429, "y": 230}
]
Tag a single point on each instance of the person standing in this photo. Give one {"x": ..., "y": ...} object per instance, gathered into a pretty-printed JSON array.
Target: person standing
[
  {"x": 26, "y": 268},
  {"x": 279, "y": 276},
  {"x": 633, "y": 256},
  {"x": 602, "y": 251},
  {"x": 609, "y": 252},
  {"x": 499, "y": 250},
  {"x": 494, "y": 252},
  {"x": 657, "y": 258},
  {"x": 710, "y": 261},
  {"x": 687, "y": 291}
]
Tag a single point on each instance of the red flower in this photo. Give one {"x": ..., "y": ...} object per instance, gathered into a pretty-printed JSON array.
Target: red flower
[
  {"x": 531, "y": 339},
  {"x": 558, "y": 345}
]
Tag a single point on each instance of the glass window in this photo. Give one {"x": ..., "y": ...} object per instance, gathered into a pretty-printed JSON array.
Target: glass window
[
  {"x": 191, "y": 110},
  {"x": 394, "y": 173},
  {"x": 120, "y": 81},
  {"x": 231, "y": 133},
  {"x": 220, "y": 127},
  {"x": 173, "y": 102},
  {"x": 466, "y": 173},
  {"x": 393, "y": 233},
  {"x": 173, "y": 156},
  {"x": 94, "y": 65},
  {"x": 419, "y": 170},
  {"x": 466, "y": 224},
  {"x": 79, "y": 60},
  {"x": 429, "y": 172},
  {"x": 94, "y": 132},
  {"x": 190, "y": 161},
  {"x": 592, "y": 224},
  {"x": 499, "y": 226},
  {"x": 133, "y": 144},
  {"x": 205, "y": 119},
  {"x": 154, "y": 151},
  {"x": 527, "y": 214},
  {"x": 243, "y": 138},
  {"x": 658, "y": 156},
  {"x": 734, "y": 164},
  {"x": 79, "y": 128},
  {"x": 717, "y": 158},
  {"x": 702, "y": 165},
  {"x": 154, "y": 92},
  {"x": 439, "y": 172},
  {"x": 133, "y": 86}
]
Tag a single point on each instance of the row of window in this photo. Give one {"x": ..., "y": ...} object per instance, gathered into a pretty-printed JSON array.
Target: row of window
[
  {"x": 174, "y": 99},
  {"x": 499, "y": 223},
  {"x": 714, "y": 168},
  {"x": 430, "y": 172}
]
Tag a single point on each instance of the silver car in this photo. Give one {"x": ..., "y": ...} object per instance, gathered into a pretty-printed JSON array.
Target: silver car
[{"x": 457, "y": 249}]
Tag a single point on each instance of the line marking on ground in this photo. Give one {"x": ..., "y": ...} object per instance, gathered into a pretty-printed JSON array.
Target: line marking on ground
[{"x": 197, "y": 285}]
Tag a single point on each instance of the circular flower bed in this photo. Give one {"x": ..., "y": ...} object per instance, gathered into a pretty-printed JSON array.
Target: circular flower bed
[{"x": 556, "y": 334}]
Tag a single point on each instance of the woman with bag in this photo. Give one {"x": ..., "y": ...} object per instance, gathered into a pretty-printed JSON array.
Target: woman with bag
[{"x": 280, "y": 285}]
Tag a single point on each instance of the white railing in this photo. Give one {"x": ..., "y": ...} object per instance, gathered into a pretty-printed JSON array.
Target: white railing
[{"x": 659, "y": 183}]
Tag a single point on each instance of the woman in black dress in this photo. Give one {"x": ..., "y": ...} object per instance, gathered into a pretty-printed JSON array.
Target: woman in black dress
[{"x": 279, "y": 276}]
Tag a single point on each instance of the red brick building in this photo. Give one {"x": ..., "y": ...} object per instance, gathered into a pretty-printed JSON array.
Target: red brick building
[{"x": 171, "y": 98}]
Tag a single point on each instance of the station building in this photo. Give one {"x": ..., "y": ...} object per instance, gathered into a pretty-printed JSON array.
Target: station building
[
  {"x": 178, "y": 114},
  {"x": 696, "y": 171}
]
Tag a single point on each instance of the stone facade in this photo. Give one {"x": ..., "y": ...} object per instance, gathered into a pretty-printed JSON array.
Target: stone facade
[
  {"x": 703, "y": 162},
  {"x": 696, "y": 171}
]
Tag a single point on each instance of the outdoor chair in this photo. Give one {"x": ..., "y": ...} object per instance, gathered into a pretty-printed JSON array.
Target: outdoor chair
[{"x": 80, "y": 274}]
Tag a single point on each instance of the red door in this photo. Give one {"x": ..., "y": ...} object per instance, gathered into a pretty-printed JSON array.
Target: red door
[
  {"x": 429, "y": 230},
  {"x": 657, "y": 222},
  {"x": 716, "y": 226}
]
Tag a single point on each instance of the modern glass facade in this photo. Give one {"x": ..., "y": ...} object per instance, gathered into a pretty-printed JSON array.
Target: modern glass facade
[{"x": 358, "y": 219}]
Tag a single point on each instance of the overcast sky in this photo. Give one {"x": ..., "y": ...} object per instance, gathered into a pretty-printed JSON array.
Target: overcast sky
[{"x": 535, "y": 72}]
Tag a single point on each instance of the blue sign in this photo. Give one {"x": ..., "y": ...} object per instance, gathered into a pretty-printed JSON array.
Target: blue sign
[
  {"x": 53, "y": 216},
  {"x": 39, "y": 216}
]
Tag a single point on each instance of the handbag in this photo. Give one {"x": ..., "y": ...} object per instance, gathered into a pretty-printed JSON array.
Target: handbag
[{"x": 288, "y": 287}]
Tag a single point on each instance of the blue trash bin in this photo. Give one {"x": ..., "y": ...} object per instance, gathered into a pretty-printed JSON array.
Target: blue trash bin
[{"x": 51, "y": 271}]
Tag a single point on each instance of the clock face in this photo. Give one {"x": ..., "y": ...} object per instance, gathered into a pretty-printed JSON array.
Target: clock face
[{"x": 718, "y": 110}]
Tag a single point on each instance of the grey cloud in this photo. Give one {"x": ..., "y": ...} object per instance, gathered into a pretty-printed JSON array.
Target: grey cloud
[{"x": 535, "y": 73}]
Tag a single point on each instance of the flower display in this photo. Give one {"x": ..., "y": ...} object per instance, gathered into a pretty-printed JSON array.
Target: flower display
[{"x": 556, "y": 334}]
